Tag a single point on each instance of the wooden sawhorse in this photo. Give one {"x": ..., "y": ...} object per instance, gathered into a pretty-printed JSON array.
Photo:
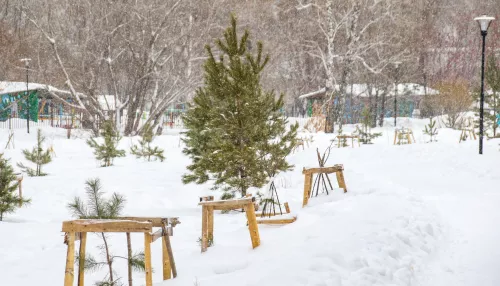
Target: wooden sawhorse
[
  {"x": 207, "y": 225},
  {"x": 78, "y": 229},
  {"x": 337, "y": 169}
]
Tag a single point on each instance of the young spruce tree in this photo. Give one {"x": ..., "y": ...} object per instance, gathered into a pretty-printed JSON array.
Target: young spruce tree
[
  {"x": 235, "y": 131},
  {"x": 144, "y": 149},
  {"x": 98, "y": 207},
  {"x": 431, "y": 130},
  {"x": 107, "y": 151},
  {"x": 365, "y": 134},
  {"x": 38, "y": 156},
  {"x": 9, "y": 199}
]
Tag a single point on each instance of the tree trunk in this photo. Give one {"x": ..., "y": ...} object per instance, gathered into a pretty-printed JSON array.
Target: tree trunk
[
  {"x": 108, "y": 259},
  {"x": 374, "y": 124},
  {"x": 382, "y": 110}
]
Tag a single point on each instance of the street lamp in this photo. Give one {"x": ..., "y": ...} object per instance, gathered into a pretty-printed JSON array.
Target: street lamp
[
  {"x": 396, "y": 66},
  {"x": 27, "y": 65},
  {"x": 484, "y": 23}
]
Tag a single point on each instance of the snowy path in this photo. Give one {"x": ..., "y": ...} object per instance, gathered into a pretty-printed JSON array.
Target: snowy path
[
  {"x": 470, "y": 254},
  {"x": 465, "y": 189}
]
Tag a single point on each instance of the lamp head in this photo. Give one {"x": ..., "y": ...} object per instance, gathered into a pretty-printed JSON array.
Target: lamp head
[
  {"x": 484, "y": 22},
  {"x": 26, "y": 61}
]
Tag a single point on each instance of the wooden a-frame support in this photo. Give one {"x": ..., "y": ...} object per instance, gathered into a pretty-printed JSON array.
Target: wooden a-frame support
[
  {"x": 77, "y": 230},
  {"x": 337, "y": 169},
  {"x": 405, "y": 134},
  {"x": 207, "y": 218},
  {"x": 467, "y": 131}
]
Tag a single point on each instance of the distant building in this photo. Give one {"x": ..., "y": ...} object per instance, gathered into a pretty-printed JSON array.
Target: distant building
[
  {"x": 43, "y": 106},
  {"x": 409, "y": 98}
]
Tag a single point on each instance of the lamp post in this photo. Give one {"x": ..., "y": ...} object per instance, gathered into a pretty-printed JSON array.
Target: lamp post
[
  {"x": 396, "y": 66},
  {"x": 27, "y": 66},
  {"x": 484, "y": 23}
]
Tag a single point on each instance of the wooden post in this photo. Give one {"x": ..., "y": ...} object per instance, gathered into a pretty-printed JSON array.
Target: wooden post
[
  {"x": 166, "y": 242},
  {"x": 252, "y": 225},
  {"x": 409, "y": 138},
  {"x": 147, "y": 259},
  {"x": 395, "y": 136},
  {"x": 340, "y": 179},
  {"x": 129, "y": 256},
  {"x": 307, "y": 189},
  {"x": 167, "y": 269},
  {"x": 81, "y": 262},
  {"x": 70, "y": 260},
  {"x": 210, "y": 224},
  {"x": 287, "y": 208},
  {"x": 204, "y": 228}
]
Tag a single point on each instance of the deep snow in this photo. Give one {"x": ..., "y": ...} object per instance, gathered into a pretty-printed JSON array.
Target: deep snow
[{"x": 420, "y": 214}]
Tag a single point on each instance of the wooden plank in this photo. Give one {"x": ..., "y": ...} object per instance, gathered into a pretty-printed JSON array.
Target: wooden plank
[
  {"x": 204, "y": 228},
  {"x": 323, "y": 170},
  {"x": 347, "y": 136},
  {"x": 252, "y": 225},
  {"x": 156, "y": 221},
  {"x": 287, "y": 208},
  {"x": 170, "y": 253},
  {"x": 101, "y": 225},
  {"x": 341, "y": 181},
  {"x": 70, "y": 260},
  {"x": 81, "y": 262},
  {"x": 206, "y": 199},
  {"x": 228, "y": 204},
  {"x": 395, "y": 136},
  {"x": 307, "y": 189},
  {"x": 167, "y": 270},
  {"x": 157, "y": 234},
  {"x": 277, "y": 221},
  {"x": 210, "y": 224},
  {"x": 147, "y": 259}
]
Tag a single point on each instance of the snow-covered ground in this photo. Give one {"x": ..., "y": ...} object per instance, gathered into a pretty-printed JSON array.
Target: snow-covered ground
[{"x": 420, "y": 214}]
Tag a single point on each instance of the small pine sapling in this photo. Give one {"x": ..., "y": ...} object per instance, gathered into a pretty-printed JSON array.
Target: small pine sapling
[
  {"x": 365, "y": 134},
  {"x": 144, "y": 149},
  {"x": 9, "y": 199},
  {"x": 431, "y": 130},
  {"x": 107, "y": 151},
  {"x": 343, "y": 141},
  {"x": 98, "y": 207},
  {"x": 38, "y": 156}
]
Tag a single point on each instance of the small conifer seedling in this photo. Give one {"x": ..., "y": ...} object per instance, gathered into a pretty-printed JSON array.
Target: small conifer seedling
[
  {"x": 144, "y": 149},
  {"x": 107, "y": 151},
  {"x": 9, "y": 199},
  {"x": 38, "y": 156},
  {"x": 100, "y": 207},
  {"x": 431, "y": 130}
]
